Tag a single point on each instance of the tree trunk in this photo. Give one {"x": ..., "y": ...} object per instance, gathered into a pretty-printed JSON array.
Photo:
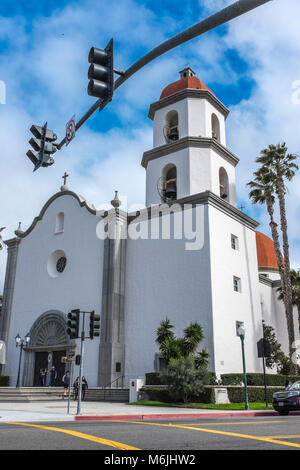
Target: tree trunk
[
  {"x": 287, "y": 305},
  {"x": 287, "y": 270}
]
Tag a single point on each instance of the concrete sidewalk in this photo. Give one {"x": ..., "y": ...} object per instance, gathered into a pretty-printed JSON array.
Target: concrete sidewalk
[{"x": 57, "y": 411}]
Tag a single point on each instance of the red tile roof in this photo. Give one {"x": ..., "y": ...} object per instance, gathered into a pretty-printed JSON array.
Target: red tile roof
[
  {"x": 182, "y": 84},
  {"x": 266, "y": 256}
]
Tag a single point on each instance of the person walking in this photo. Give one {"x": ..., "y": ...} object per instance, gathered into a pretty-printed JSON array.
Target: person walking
[
  {"x": 66, "y": 382},
  {"x": 84, "y": 387},
  {"x": 42, "y": 377},
  {"x": 76, "y": 388},
  {"x": 53, "y": 376}
]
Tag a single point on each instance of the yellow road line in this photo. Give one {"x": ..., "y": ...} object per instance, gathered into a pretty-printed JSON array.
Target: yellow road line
[
  {"x": 240, "y": 422},
  {"x": 81, "y": 435},
  {"x": 215, "y": 431},
  {"x": 283, "y": 437}
]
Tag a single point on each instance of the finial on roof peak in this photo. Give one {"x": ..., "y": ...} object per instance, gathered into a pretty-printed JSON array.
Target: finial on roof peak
[{"x": 116, "y": 201}]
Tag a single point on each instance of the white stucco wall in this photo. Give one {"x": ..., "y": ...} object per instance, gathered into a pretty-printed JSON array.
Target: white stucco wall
[
  {"x": 79, "y": 286},
  {"x": 230, "y": 306},
  {"x": 163, "y": 279}
]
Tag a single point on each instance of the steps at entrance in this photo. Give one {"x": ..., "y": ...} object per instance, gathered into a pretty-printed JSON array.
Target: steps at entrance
[
  {"x": 30, "y": 394},
  {"x": 120, "y": 395}
]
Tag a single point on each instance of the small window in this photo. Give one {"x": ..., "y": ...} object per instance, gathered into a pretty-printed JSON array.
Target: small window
[
  {"x": 118, "y": 366},
  {"x": 60, "y": 219},
  {"x": 234, "y": 242},
  {"x": 236, "y": 284}
]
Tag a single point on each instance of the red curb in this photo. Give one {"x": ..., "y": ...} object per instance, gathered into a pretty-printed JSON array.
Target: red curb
[{"x": 185, "y": 415}]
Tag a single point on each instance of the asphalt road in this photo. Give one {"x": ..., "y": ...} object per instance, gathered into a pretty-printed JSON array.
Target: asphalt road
[{"x": 262, "y": 433}]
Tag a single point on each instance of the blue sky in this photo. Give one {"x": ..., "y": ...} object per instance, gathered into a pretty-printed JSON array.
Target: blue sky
[{"x": 249, "y": 64}]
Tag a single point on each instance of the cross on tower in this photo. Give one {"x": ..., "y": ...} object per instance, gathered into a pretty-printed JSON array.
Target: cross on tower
[{"x": 64, "y": 177}]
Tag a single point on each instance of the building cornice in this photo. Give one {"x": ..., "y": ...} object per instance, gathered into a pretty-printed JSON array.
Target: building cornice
[
  {"x": 188, "y": 93},
  {"x": 269, "y": 282},
  {"x": 185, "y": 142},
  {"x": 82, "y": 202},
  {"x": 206, "y": 197}
]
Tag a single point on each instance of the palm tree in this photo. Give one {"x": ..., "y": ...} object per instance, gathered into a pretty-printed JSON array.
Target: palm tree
[
  {"x": 295, "y": 282},
  {"x": 172, "y": 347},
  {"x": 269, "y": 180}
]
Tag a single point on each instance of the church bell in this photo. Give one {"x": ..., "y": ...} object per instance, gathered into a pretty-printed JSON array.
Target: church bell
[
  {"x": 171, "y": 190},
  {"x": 173, "y": 133}
]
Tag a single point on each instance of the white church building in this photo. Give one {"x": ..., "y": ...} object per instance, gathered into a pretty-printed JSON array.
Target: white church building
[{"x": 191, "y": 255}]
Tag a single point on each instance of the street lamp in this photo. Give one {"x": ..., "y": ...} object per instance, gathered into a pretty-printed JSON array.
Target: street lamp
[
  {"x": 241, "y": 334},
  {"x": 21, "y": 343}
]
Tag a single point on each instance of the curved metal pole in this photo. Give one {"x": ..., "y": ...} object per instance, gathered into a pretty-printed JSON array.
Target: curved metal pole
[
  {"x": 223, "y": 16},
  {"x": 232, "y": 11}
]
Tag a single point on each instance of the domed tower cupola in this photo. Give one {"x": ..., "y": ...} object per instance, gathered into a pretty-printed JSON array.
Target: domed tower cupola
[{"x": 189, "y": 136}]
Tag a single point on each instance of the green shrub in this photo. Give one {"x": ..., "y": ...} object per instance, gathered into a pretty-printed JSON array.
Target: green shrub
[
  {"x": 153, "y": 378},
  {"x": 4, "y": 381},
  {"x": 184, "y": 379},
  {"x": 156, "y": 378},
  {"x": 257, "y": 379},
  {"x": 162, "y": 394},
  {"x": 255, "y": 394},
  {"x": 157, "y": 394}
]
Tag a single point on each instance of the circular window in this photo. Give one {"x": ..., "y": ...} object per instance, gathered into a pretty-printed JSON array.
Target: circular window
[
  {"x": 56, "y": 263},
  {"x": 61, "y": 264}
]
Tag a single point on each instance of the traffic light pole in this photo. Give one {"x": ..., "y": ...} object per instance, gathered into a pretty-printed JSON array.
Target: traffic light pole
[
  {"x": 232, "y": 11},
  {"x": 80, "y": 368}
]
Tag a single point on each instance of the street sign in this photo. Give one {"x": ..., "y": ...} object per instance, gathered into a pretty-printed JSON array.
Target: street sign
[
  {"x": 67, "y": 359},
  {"x": 70, "y": 130},
  {"x": 263, "y": 348}
]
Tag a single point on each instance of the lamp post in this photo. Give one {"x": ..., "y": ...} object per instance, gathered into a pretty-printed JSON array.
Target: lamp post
[
  {"x": 241, "y": 334},
  {"x": 21, "y": 343}
]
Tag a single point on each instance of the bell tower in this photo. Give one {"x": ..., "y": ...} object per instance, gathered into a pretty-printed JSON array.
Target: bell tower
[{"x": 189, "y": 154}]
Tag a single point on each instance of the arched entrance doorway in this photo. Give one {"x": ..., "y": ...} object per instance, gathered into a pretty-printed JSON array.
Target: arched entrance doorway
[{"x": 49, "y": 342}]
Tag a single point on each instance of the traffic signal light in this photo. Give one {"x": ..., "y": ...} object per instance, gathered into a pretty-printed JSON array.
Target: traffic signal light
[
  {"x": 94, "y": 325},
  {"x": 43, "y": 145},
  {"x": 101, "y": 72},
  {"x": 78, "y": 360},
  {"x": 73, "y": 323}
]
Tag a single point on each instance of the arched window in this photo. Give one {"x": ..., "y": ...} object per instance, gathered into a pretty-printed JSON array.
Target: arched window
[
  {"x": 60, "y": 219},
  {"x": 223, "y": 182},
  {"x": 170, "y": 182},
  {"x": 215, "y": 127},
  {"x": 171, "y": 127}
]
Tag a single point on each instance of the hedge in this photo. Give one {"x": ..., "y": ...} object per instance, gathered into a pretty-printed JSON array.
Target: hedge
[
  {"x": 154, "y": 378},
  {"x": 4, "y": 381},
  {"x": 255, "y": 394},
  {"x": 162, "y": 394},
  {"x": 258, "y": 379}
]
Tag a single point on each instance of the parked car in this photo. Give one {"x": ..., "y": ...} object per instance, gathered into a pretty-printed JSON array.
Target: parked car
[{"x": 287, "y": 400}]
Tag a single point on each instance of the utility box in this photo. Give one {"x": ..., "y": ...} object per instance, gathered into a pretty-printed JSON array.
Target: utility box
[{"x": 134, "y": 386}]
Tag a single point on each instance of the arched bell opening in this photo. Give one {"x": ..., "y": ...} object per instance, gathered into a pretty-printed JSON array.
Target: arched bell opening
[
  {"x": 215, "y": 127},
  {"x": 170, "y": 182},
  {"x": 223, "y": 184},
  {"x": 171, "y": 127}
]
